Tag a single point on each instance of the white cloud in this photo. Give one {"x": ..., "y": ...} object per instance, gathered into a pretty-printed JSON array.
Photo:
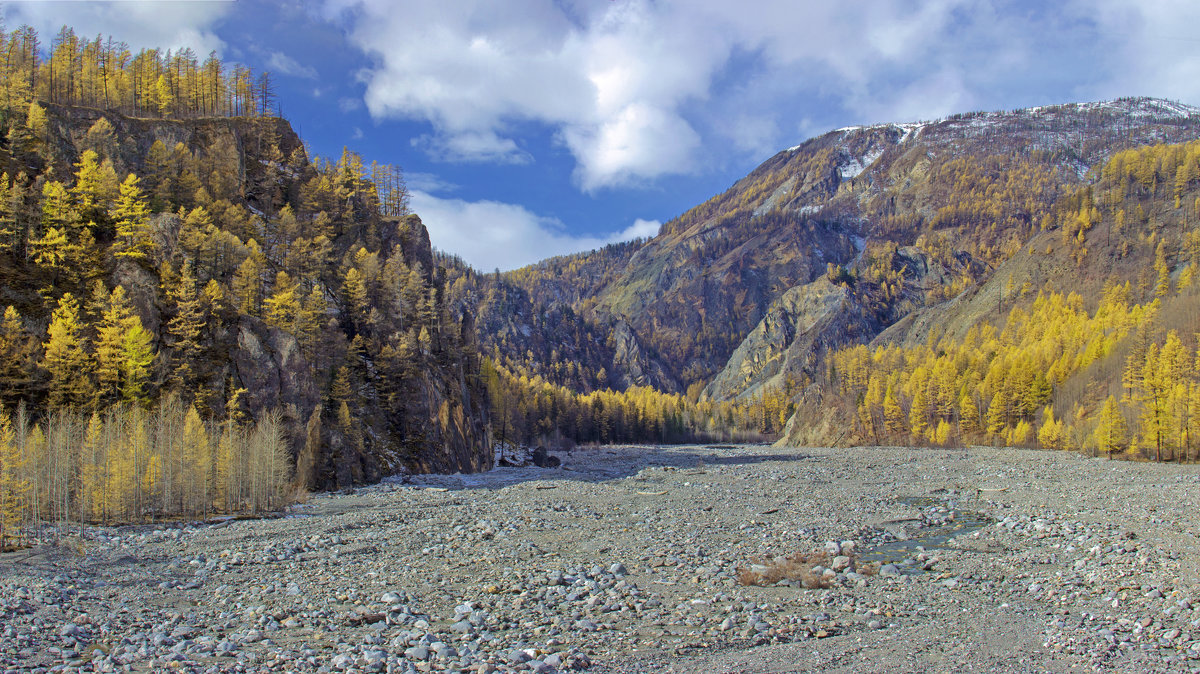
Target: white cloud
[
  {"x": 278, "y": 62},
  {"x": 428, "y": 182},
  {"x": 493, "y": 234},
  {"x": 622, "y": 83},
  {"x": 638, "y": 89},
  {"x": 470, "y": 146},
  {"x": 165, "y": 24},
  {"x": 640, "y": 229},
  {"x": 1151, "y": 48}
]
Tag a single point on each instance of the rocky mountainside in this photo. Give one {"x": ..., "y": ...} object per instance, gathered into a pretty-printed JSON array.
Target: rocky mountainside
[
  {"x": 834, "y": 240},
  {"x": 266, "y": 282}
]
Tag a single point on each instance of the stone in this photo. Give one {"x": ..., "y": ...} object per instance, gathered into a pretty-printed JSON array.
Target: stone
[{"x": 542, "y": 459}]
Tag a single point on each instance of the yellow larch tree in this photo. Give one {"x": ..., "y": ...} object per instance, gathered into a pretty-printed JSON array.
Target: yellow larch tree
[
  {"x": 65, "y": 358},
  {"x": 14, "y": 486}
]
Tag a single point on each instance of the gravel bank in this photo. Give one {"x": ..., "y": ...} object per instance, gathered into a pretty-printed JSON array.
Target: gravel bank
[{"x": 626, "y": 559}]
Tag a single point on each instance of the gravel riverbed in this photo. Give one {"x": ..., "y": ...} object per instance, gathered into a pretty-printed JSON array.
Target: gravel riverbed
[{"x": 627, "y": 559}]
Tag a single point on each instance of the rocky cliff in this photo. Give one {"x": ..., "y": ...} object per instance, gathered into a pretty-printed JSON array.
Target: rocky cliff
[{"x": 267, "y": 283}]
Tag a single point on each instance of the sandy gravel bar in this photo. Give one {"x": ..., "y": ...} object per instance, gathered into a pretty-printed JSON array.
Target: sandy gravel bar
[{"x": 627, "y": 559}]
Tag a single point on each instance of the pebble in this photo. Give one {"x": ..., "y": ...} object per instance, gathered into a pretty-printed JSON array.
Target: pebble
[{"x": 353, "y": 585}]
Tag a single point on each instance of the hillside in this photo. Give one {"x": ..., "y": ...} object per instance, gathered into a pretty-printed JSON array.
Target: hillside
[
  {"x": 255, "y": 281},
  {"x": 865, "y": 235}
]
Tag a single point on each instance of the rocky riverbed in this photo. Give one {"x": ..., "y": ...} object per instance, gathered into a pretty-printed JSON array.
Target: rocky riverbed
[{"x": 632, "y": 559}]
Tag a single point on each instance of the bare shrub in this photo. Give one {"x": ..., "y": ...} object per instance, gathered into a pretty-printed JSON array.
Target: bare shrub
[{"x": 799, "y": 567}]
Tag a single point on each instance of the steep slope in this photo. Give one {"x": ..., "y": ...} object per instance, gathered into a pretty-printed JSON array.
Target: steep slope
[
  {"x": 1082, "y": 339},
  {"x": 265, "y": 281},
  {"x": 537, "y": 321},
  {"x": 905, "y": 215}
]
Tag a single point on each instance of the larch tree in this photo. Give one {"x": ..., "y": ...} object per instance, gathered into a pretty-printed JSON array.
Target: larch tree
[
  {"x": 184, "y": 332},
  {"x": 66, "y": 359},
  {"x": 18, "y": 358},
  {"x": 13, "y": 484},
  {"x": 131, "y": 217},
  {"x": 1111, "y": 432}
]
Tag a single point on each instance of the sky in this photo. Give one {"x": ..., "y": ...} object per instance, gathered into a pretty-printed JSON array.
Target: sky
[{"x": 533, "y": 128}]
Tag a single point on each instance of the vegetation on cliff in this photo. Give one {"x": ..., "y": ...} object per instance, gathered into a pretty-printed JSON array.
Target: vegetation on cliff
[{"x": 203, "y": 271}]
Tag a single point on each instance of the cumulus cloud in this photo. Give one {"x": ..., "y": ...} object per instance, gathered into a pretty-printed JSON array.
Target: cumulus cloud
[
  {"x": 167, "y": 24},
  {"x": 497, "y": 235},
  {"x": 636, "y": 89}
]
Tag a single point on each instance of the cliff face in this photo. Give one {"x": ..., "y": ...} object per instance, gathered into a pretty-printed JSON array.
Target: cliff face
[{"x": 310, "y": 301}]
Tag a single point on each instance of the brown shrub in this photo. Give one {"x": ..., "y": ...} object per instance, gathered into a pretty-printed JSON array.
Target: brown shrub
[{"x": 797, "y": 567}]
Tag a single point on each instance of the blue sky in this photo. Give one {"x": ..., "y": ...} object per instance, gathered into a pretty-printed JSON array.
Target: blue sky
[{"x": 529, "y": 128}]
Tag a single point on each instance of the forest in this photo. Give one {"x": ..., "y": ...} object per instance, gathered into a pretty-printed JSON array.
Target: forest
[
  {"x": 209, "y": 325},
  {"x": 1116, "y": 380}
]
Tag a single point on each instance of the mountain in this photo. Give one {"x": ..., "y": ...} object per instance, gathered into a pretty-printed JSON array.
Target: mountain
[
  {"x": 917, "y": 209},
  {"x": 265, "y": 283},
  {"x": 864, "y": 235}
]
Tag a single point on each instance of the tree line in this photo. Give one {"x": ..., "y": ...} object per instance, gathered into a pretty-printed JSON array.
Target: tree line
[
  {"x": 132, "y": 464},
  {"x": 530, "y": 410},
  {"x": 105, "y": 73}
]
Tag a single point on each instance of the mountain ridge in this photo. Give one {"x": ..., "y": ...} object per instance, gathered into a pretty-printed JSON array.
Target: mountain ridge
[{"x": 929, "y": 187}]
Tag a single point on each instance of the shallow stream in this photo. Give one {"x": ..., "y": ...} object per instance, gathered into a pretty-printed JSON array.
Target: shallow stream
[{"x": 929, "y": 536}]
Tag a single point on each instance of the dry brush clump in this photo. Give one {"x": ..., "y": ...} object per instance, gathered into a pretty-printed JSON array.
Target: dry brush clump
[{"x": 817, "y": 569}]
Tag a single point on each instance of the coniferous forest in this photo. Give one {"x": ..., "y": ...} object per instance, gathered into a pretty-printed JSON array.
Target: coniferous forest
[{"x": 198, "y": 317}]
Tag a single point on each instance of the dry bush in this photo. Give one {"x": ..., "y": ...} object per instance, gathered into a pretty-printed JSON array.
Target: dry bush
[{"x": 798, "y": 567}]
